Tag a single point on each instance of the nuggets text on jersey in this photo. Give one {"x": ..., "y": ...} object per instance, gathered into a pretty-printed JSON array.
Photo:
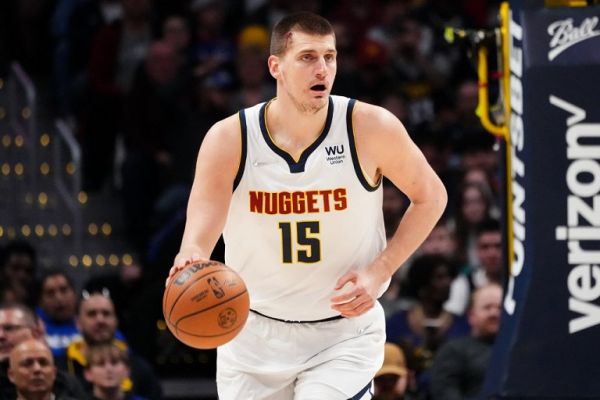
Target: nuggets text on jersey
[{"x": 298, "y": 202}]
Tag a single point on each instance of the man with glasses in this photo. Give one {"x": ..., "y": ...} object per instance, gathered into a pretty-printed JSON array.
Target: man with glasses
[{"x": 18, "y": 324}]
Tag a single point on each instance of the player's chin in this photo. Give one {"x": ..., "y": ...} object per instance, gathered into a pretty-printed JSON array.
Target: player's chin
[{"x": 320, "y": 98}]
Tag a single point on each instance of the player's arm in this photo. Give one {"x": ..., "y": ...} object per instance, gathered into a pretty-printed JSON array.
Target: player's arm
[
  {"x": 208, "y": 204},
  {"x": 385, "y": 148}
]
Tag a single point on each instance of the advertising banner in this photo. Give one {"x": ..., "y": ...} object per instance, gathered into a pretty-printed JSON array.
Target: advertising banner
[{"x": 547, "y": 346}]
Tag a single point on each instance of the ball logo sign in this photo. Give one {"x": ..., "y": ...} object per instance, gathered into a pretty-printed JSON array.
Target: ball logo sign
[{"x": 565, "y": 34}]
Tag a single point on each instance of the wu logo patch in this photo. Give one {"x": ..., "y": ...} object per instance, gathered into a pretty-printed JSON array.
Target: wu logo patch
[
  {"x": 335, "y": 154},
  {"x": 333, "y": 150}
]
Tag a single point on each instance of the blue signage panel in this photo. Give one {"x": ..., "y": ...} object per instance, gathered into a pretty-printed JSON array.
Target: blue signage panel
[{"x": 547, "y": 346}]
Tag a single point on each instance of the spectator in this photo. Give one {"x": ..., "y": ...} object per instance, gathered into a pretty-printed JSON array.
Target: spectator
[
  {"x": 116, "y": 52},
  {"x": 255, "y": 82},
  {"x": 97, "y": 323},
  {"x": 156, "y": 108},
  {"x": 477, "y": 150},
  {"x": 72, "y": 27},
  {"x": 394, "y": 206},
  {"x": 32, "y": 371},
  {"x": 373, "y": 77},
  {"x": 474, "y": 204},
  {"x": 488, "y": 268},
  {"x": 212, "y": 47},
  {"x": 441, "y": 241},
  {"x": 107, "y": 368},
  {"x": 426, "y": 325},
  {"x": 18, "y": 324},
  {"x": 176, "y": 33},
  {"x": 358, "y": 15},
  {"x": 460, "y": 365},
  {"x": 392, "y": 380},
  {"x": 18, "y": 267},
  {"x": 412, "y": 66},
  {"x": 56, "y": 309}
]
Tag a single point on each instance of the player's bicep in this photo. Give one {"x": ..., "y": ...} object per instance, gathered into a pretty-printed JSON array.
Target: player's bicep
[
  {"x": 218, "y": 158},
  {"x": 400, "y": 160},
  {"x": 216, "y": 168},
  {"x": 405, "y": 165}
]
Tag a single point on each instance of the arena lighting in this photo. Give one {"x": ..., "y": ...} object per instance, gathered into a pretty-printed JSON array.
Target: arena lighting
[{"x": 44, "y": 168}]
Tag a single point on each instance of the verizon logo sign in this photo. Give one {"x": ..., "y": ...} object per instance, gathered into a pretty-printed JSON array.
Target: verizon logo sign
[{"x": 564, "y": 34}]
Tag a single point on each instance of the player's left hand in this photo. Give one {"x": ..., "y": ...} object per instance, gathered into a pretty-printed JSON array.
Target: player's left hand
[{"x": 359, "y": 298}]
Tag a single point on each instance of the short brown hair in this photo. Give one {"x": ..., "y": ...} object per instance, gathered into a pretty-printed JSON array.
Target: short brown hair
[
  {"x": 305, "y": 22},
  {"x": 100, "y": 353}
]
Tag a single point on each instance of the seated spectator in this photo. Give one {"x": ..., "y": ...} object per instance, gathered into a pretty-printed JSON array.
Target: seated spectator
[
  {"x": 392, "y": 379},
  {"x": 107, "y": 368},
  {"x": 17, "y": 269},
  {"x": 426, "y": 325},
  {"x": 488, "y": 267},
  {"x": 56, "y": 309},
  {"x": 253, "y": 76},
  {"x": 175, "y": 31},
  {"x": 97, "y": 323},
  {"x": 474, "y": 204},
  {"x": 459, "y": 367},
  {"x": 32, "y": 371},
  {"x": 18, "y": 324},
  {"x": 441, "y": 241}
]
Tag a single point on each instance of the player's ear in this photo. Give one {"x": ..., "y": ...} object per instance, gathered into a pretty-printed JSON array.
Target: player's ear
[{"x": 274, "y": 66}]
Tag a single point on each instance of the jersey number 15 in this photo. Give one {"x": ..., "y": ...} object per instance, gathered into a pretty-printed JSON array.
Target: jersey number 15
[{"x": 307, "y": 245}]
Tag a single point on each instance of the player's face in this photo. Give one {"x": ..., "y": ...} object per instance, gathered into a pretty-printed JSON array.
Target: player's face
[{"x": 305, "y": 73}]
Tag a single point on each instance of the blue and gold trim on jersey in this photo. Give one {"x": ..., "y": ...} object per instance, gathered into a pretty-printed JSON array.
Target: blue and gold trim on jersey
[
  {"x": 295, "y": 166},
  {"x": 244, "y": 149},
  {"x": 362, "y": 177}
]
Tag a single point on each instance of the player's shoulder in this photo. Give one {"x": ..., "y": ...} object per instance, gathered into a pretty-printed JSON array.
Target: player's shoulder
[
  {"x": 226, "y": 130},
  {"x": 223, "y": 139},
  {"x": 368, "y": 113},
  {"x": 373, "y": 119},
  {"x": 232, "y": 125},
  {"x": 226, "y": 126}
]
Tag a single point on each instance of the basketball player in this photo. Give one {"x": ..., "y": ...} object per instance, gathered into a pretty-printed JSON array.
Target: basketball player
[{"x": 295, "y": 186}]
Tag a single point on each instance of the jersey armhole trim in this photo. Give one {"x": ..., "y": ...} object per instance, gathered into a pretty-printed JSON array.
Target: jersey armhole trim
[
  {"x": 244, "y": 144},
  {"x": 363, "y": 179}
]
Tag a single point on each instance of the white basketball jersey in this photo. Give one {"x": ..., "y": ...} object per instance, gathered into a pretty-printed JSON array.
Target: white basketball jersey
[{"x": 296, "y": 226}]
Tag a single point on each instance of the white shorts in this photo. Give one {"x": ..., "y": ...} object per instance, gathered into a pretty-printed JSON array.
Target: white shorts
[{"x": 275, "y": 360}]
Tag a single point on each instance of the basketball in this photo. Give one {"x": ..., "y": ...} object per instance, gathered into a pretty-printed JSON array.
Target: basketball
[{"x": 206, "y": 304}]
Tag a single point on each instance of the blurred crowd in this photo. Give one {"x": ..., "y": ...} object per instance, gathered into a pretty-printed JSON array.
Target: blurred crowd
[{"x": 141, "y": 81}]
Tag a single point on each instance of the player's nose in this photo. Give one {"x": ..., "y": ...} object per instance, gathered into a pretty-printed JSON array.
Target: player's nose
[{"x": 321, "y": 68}]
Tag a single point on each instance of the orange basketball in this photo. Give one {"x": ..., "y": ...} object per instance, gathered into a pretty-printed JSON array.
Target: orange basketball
[{"x": 206, "y": 304}]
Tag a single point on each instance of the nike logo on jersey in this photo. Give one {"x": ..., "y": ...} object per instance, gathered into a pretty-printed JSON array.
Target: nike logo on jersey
[
  {"x": 257, "y": 163},
  {"x": 300, "y": 202}
]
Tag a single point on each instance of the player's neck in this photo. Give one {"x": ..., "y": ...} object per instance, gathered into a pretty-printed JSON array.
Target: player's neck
[
  {"x": 293, "y": 130},
  {"x": 286, "y": 122}
]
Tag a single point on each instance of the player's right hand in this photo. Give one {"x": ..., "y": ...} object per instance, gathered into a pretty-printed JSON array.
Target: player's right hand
[{"x": 181, "y": 261}]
